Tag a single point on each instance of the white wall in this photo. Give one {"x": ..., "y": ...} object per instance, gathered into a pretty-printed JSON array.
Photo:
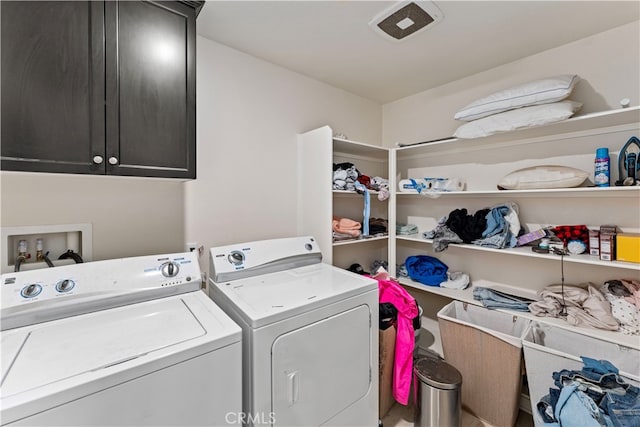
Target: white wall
[
  {"x": 249, "y": 113},
  {"x": 608, "y": 63},
  {"x": 129, "y": 216}
]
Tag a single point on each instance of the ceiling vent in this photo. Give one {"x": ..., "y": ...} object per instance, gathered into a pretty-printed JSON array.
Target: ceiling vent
[{"x": 406, "y": 19}]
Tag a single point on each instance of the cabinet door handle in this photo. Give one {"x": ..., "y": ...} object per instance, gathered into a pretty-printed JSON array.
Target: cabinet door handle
[
  {"x": 113, "y": 160},
  {"x": 97, "y": 159}
]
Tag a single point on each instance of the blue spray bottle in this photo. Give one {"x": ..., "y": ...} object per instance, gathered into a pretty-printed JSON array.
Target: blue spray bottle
[{"x": 601, "y": 168}]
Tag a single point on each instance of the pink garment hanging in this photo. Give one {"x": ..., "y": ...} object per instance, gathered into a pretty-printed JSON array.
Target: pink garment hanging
[{"x": 395, "y": 294}]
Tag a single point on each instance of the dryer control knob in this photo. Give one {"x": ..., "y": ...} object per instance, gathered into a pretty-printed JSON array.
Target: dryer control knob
[
  {"x": 170, "y": 269},
  {"x": 31, "y": 291},
  {"x": 65, "y": 285},
  {"x": 236, "y": 257}
]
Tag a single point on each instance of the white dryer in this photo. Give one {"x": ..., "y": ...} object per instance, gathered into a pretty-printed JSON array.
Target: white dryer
[
  {"x": 310, "y": 333},
  {"x": 131, "y": 341}
]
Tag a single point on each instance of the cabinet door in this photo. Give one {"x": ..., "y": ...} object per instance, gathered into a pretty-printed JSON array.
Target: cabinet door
[
  {"x": 52, "y": 86},
  {"x": 150, "y": 48}
]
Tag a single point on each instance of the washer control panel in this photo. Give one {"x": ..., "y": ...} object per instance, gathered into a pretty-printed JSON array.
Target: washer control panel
[{"x": 100, "y": 282}]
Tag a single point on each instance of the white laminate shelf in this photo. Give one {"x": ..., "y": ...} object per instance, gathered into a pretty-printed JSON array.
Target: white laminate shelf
[
  {"x": 359, "y": 149},
  {"x": 466, "y": 296},
  {"x": 582, "y": 123},
  {"x": 354, "y": 193},
  {"x": 599, "y": 192},
  {"x": 526, "y": 251},
  {"x": 361, "y": 240}
]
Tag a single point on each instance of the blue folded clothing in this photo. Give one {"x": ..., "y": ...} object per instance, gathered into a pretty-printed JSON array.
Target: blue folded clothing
[
  {"x": 492, "y": 299},
  {"x": 426, "y": 270}
]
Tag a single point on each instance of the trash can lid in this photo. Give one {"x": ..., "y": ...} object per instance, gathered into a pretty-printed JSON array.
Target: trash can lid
[{"x": 437, "y": 373}]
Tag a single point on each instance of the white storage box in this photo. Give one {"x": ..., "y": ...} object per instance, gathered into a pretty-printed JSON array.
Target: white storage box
[
  {"x": 549, "y": 349},
  {"x": 486, "y": 347}
]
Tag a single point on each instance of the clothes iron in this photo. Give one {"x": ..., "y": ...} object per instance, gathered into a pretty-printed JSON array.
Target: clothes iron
[{"x": 628, "y": 166}]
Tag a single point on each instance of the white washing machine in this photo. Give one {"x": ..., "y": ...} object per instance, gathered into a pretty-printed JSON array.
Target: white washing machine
[
  {"x": 131, "y": 341},
  {"x": 309, "y": 330}
]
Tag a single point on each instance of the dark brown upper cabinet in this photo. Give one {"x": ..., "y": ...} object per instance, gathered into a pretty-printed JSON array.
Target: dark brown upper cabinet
[{"x": 98, "y": 87}]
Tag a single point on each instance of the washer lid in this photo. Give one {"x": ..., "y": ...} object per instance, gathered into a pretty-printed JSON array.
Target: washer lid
[
  {"x": 44, "y": 354},
  {"x": 265, "y": 299}
]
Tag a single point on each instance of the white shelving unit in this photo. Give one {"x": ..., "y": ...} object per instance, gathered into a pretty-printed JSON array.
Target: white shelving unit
[
  {"x": 360, "y": 241},
  {"x": 481, "y": 163},
  {"x": 526, "y": 251},
  {"x": 318, "y": 203},
  {"x": 551, "y": 192},
  {"x": 467, "y": 297}
]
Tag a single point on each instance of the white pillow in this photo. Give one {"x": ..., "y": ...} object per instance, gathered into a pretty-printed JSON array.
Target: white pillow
[
  {"x": 544, "y": 91},
  {"x": 536, "y": 115},
  {"x": 543, "y": 177}
]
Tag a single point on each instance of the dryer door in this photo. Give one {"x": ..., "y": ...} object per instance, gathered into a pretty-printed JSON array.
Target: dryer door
[{"x": 321, "y": 369}]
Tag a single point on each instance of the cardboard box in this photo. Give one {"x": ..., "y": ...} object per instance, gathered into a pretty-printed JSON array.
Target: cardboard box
[
  {"x": 594, "y": 242},
  {"x": 607, "y": 246},
  {"x": 628, "y": 247},
  {"x": 387, "y": 351},
  {"x": 608, "y": 242}
]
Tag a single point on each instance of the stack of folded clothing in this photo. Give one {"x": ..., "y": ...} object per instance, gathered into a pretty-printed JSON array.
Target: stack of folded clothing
[
  {"x": 378, "y": 226},
  {"x": 527, "y": 105},
  {"x": 406, "y": 229},
  {"x": 345, "y": 175},
  {"x": 345, "y": 228},
  {"x": 492, "y": 299}
]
